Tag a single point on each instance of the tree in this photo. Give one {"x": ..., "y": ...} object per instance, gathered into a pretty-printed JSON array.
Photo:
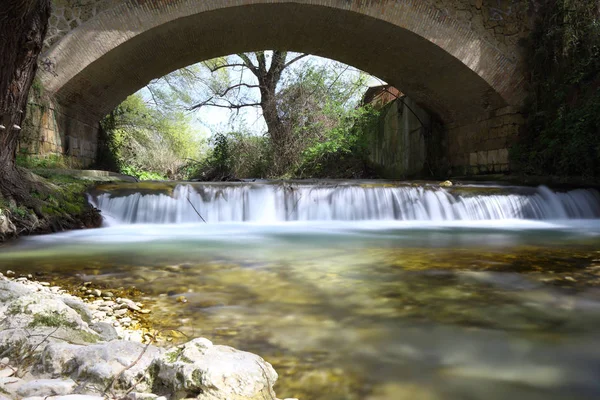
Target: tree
[
  {"x": 23, "y": 25},
  {"x": 303, "y": 103},
  {"x": 147, "y": 142},
  {"x": 268, "y": 78}
]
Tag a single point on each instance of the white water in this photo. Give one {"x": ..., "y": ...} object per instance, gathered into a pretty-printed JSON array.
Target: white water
[{"x": 267, "y": 204}]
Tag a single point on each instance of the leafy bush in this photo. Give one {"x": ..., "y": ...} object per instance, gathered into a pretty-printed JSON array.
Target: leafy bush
[
  {"x": 147, "y": 143},
  {"x": 562, "y": 136}
]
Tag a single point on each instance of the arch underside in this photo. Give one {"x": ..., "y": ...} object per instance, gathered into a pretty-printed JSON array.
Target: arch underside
[{"x": 422, "y": 69}]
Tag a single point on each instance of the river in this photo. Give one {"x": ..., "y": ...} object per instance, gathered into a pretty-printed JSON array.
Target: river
[{"x": 360, "y": 290}]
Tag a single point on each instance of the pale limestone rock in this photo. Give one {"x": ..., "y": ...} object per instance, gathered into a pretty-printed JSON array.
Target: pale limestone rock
[
  {"x": 207, "y": 372},
  {"x": 46, "y": 387}
]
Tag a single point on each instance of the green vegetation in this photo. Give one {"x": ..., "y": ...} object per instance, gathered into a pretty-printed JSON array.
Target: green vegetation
[
  {"x": 54, "y": 161},
  {"x": 323, "y": 132},
  {"x": 147, "y": 142},
  {"x": 562, "y": 135},
  {"x": 54, "y": 319}
]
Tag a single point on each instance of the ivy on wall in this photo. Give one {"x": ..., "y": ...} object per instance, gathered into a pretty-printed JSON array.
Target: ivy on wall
[{"x": 562, "y": 136}]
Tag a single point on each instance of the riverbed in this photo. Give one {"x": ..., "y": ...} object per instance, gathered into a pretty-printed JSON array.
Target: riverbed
[{"x": 360, "y": 290}]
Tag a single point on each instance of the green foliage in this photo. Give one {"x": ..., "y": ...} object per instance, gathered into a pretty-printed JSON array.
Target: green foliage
[
  {"x": 53, "y": 161},
  {"x": 235, "y": 155},
  {"x": 141, "y": 174},
  {"x": 563, "y": 130},
  {"x": 343, "y": 145},
  {"x": 54, "y": 320},
  {"x": 148, "y": 143}
]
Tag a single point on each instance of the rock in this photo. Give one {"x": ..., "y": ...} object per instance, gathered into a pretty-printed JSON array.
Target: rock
[
  {"x": 76, "y": 397},
  {"x": 201, "y": 370},
  {"x": 97, "y": 293},
  {"x": 141, "y": 396},
  {"x": 98, "y": 364},
  {"x": 6, "y": 372},
  {"x": 46, "y": 387},
  {"x": 105, "y": 330},
  {"x": 10, "y": 273},
  {"x": 10, "y": 385},
  {"x": 7, "y": 228},
  {"x": 446, "y": 184}
]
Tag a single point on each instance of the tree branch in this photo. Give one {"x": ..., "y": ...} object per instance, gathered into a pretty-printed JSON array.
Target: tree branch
[
  {"x": 230, "y": 88},
  {"x": 249, "y": 63},
  {"x": 293, "y": 60},
  {"x": 213, "y": 70}
]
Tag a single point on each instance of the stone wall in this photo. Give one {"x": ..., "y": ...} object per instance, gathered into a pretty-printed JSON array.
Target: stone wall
[
  {"x": 482, "y": 147},
  {"x": 502, "y": 22},
  {"x": 49, "y": 132},
  {"x": 459, "y": 59},
  {"x": 397, "y": 148}
]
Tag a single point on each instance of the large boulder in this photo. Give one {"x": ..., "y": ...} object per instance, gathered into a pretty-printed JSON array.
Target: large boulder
[
  {"x": 204, "y": 371},
  {"x": 118, "y": 364}
]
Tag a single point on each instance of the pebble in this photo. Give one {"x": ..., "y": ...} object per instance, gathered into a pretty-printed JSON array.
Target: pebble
[
  {"x": 10, "y": 273},
  {"x": 125, "y": 320},
  {"x": 6, "y": 372},
  {"x": 99, "y": 314},
  {"x": 44, "y": 283},
  {"x": 182, "y": 299},
  {"x": 87, "y": 283},
  {"x": 145, "y": 311},
  {"x": 97, "y": 293},
  {"x": 120, "y": 312},
  {"x": 109, "y": 294}
]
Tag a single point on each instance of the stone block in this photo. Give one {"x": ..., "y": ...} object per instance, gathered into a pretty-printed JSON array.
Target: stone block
[
  {"x": 473, "y": 159},
  {"x": 503, "y": 156},
  {"x": 481, "y": 157},
  {"x": 492, "y": 157}
]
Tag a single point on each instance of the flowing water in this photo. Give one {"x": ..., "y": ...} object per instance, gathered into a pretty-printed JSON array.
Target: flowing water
[{"x": 360, "y": 290}]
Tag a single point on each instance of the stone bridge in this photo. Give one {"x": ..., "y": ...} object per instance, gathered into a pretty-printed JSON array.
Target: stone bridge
[{"x": 458, "y": 59}]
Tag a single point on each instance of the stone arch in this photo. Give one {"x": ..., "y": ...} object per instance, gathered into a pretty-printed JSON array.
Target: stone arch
[{"x": 438, "y": 61}]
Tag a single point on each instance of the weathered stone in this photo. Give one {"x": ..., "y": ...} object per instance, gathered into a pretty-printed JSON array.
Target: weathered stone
[
  {"x": 99, "y": 363},
  {"x": 46, "y": 387},
  {"x": 207, "y": 372}
]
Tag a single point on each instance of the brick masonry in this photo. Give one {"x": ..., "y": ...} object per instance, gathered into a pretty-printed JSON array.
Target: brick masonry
[
  {"x": 48, "y": 132},
  {"x": 459, "y": 59}
]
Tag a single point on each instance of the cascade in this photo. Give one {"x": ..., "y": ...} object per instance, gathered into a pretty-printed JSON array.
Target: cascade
[{"x": 268, "y": 203}]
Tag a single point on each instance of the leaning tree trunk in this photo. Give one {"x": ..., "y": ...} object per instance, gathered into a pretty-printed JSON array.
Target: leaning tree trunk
[{"x": 23, "y": 25}]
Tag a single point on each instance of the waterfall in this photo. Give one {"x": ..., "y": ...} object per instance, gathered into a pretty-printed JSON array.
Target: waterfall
[{"x": 267, "y": 203}]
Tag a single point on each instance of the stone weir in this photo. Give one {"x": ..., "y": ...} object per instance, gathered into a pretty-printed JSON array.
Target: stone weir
[{"x": 51, "y": 348}]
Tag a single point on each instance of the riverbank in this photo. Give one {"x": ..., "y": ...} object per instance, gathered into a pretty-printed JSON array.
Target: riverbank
[
  {"x": 58, "y": 202},
  {"x": 55, "y": 345}
]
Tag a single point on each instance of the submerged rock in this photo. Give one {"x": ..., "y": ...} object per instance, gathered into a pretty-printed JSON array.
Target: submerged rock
[{"x": 202, "y": 370}]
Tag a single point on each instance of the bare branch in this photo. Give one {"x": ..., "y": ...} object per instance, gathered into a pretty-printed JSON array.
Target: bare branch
[
  {"x": 230, "y": 105},
  {"x": 293, "y": 60},
  {"x": 249, "y": 63},
  {"x": 239, "y": 85},
  {"x": 222, "y": 66}
]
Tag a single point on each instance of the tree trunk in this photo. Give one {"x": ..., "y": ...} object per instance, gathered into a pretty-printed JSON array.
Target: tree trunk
[
  {"x": 268, "y": 81},
  {"x": 23, "y": 25}
]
